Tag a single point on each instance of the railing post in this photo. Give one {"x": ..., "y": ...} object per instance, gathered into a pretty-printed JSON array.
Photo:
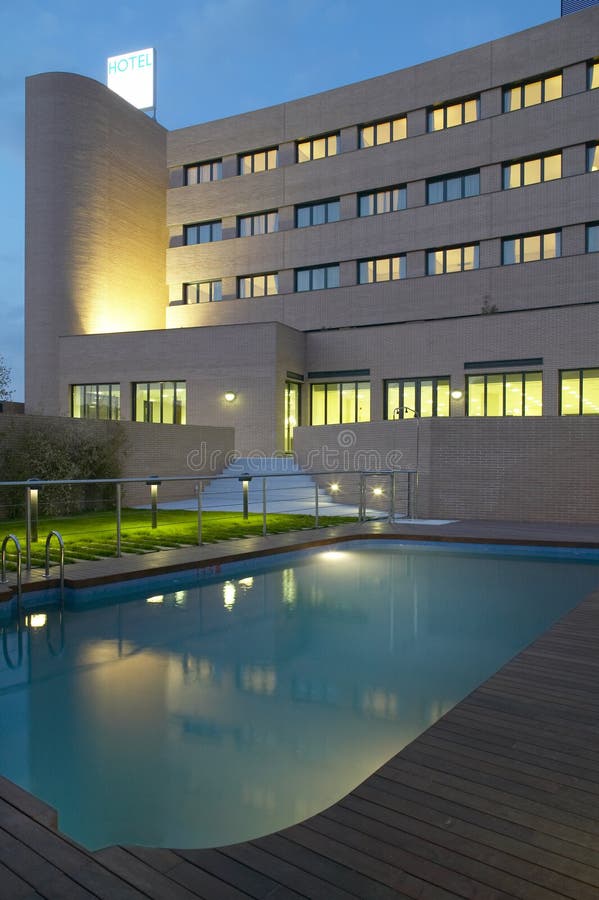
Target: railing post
[
  {"x": 198, "y": 490},
  {"x": 391, "y": 497},
  {"x": 118, "y": 520},
  {"x": 316, "y": 505},
  {"x": 264, "y": 506}
]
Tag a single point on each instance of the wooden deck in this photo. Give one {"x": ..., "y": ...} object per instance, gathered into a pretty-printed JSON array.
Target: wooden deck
[{"x": 500, "y": 798}]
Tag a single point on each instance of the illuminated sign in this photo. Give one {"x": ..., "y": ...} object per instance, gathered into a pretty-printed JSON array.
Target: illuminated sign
[{"x": 133, "y": 77}]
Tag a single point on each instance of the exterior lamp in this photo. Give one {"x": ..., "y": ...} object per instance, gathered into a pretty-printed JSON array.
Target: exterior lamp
[
  {"x": 457, "y": 395},
  {"x": 33, "y": 508},
  {"x": 230, "y": 396},
  {"x": 154, "y": 483},
  {"x": 377, "y": 491},
  {"x": 245, "y": 483},
  {"x": 334, "y": 487}
]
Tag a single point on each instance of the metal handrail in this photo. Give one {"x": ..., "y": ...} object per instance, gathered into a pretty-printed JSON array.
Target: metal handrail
[
  {"x": 3, "y": 578},
  {"x": 58, "y": 537}
]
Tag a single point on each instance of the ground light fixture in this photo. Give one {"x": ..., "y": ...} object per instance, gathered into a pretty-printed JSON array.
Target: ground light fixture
[
  {"x": 245, "y": 483},
  {"x": 230, "y": 396},
  {"x": 154, "y": 482}
]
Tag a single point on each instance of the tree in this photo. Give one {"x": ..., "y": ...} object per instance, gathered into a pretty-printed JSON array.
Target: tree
[{"x": 6, "y": 391}]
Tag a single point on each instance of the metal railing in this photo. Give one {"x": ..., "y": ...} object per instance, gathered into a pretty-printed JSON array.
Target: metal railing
[
  {"x": 3, "y": 578},
  {"x": 392, "y": 495},
  {"x": 58, "y": 537}
]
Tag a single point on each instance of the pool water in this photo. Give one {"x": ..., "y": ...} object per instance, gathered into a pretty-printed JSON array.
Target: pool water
[{"x": 213, "y": 711}]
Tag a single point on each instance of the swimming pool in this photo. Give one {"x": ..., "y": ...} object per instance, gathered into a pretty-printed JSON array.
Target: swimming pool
[{"x": 203, "y": 710}]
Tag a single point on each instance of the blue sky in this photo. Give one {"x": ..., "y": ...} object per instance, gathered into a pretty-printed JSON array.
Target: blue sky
[{"x": 215, "y": 58}]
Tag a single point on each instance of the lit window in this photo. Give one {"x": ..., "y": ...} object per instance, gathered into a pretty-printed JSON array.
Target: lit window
[
  {"x": 203, "y": 291},
  {"x": 318, "y": 147},
  {"x": 258, "y": 161},
  {"x": 592, "y": 157},
  {"x": 423, "y": 397},
  {"x": 96, "y": 401},
  {"x": 505, "y": 394},
  {"x": 317, "y": 213},
  {"x": 384, "y": 268},
  {"x": 317, "y": 278},
  {"x": 592, "y": 238},
  {"x": 335, "y": 403},
  {"x": 258, "y": 223},
  {"x": 202, "y": 172},
  {"x": 579, "y": 392},
  {"x": 160, "y": 401},
  {"x": 531, "y": 247},
  {"x": 449, "y": 115},
  {"x": 452, "y": 259},
  {"x": 532, "y": 171},
  {"x": 203, "y": 233},
  {"x": 593, "y": 75},
  {"x": 258, "y": 285},
  {"x": 383, "y": 132},
  {"x": 530, "y": 93},
  {"x": 453, "y": 187},
  {"x": 388, "y": 200}
]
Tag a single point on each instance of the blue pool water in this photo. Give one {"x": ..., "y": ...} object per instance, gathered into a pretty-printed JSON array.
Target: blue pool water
[{"x": 195, "y": 713}]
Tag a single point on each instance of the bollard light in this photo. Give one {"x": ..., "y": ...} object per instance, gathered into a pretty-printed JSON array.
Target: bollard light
[
  {"x": 154, "y": 483},
  {"x": 245, "y": 483},
  {"x": 34, "y": 509}
]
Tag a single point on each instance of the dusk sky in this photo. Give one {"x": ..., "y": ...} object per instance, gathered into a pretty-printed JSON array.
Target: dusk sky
[{"x": 216, "y": 58}]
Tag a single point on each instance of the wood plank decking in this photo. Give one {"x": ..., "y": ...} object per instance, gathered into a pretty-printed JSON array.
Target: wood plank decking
[{"x": 500, "y": 798}]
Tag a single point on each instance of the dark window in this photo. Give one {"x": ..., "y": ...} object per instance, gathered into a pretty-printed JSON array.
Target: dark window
[
  {"x": 203, "y": 233},
  {"x": 317, "y": 278},
  {"x": 317, "y": 213},
  {"x": 453, "y": 187}
]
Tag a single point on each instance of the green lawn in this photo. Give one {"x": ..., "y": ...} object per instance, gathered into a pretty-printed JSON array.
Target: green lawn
[{"x": 93, "y": 535}]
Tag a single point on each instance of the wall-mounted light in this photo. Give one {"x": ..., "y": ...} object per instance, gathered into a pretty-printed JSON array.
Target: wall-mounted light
[
  {"x": 457, "y": 395},
  {"x": 377, "y": 491},
  {"x": 334, "y": 487},
  {"x": 230, "y": 396}
]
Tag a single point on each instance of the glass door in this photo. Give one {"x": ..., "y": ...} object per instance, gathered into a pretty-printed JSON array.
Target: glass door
[{"x": 292, "y": 412}]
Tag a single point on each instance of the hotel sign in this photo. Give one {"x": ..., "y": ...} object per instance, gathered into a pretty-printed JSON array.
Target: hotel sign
[{"x": 133, "y": 77}]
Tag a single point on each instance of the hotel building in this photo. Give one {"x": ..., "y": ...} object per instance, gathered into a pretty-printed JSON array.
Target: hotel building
[{"x": 422, "y": 243}]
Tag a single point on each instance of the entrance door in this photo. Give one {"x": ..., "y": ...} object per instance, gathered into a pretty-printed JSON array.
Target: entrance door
[{"x": 292, "y": 412}]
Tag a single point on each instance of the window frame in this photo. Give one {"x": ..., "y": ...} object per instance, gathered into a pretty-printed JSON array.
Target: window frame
[
  {"x": 253, "y": 217},
  {"x": 533, "y": 234},
  {"x": 253, "y": 280},
  {"x": 506, "y": 166},
  {"x": 163, "y": 382},
  {"x": 310, "y": 141},
  {"x": 505, "y": 376},
  {"x": 210, "y": 224},
  {"x": 391, "y": 122},
  {"x": 401, "y": 257},
  {"x": 444, "y": 180},
  {"x": 340, "y": 384},
  {"x": 312, "y": 269},
  {"x": 587, "y": 232},
  {"x": 445, "y": 107},
  {"x": 300, "y": 207},
  {"x": 253, "y": 155},
  {"x": 476, "y": 247},
  {"x": 592, "y": 69},
  {"x": 402, "y": 200},
  {"x": 111, "y": 385},
  {"x": 592, "y": 148},
  {"x": 197, "y": 284},
  {"x": 218, "y": 163},
  {"x": 580, "y": 371},
  {"x": 508, "y": 88},
  {"x": 436, "y": 380}
]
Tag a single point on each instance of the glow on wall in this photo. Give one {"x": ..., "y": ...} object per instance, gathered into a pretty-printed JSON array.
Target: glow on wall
[{"x": 133, "y": 77}]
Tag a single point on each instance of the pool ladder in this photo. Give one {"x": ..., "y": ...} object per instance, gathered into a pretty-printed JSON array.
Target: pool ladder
[{"x": 17, "y": 543}]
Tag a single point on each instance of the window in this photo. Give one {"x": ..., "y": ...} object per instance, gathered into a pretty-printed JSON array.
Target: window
[
  {"x": 383, "y": 132},
  {"x": 258, "y": 223},
  {"x": 579, "y": 392},
  {"x": 452, "y": 259},
  {"x": 318, "y": 147},
  {"x": 335, "y": 403},
  {"x": 202, "y": 172},
  {"x": 592, "y": 157},
  {"x": 384, "y": 268},
  {"x": 387, "y": 200},
  {"x": 317, "y": 213},
  {"x": 421, "y": 396},
  {"x": 317, "y": 278},
  {"x": 451, "y": 114},
  {"x": 96, "y": 401},
  {"x": 202, "y": 291},
  {"x": 592, "y": 238},
  {"x": 160, "y": 401},
  {"x": 503, "y": 394},
  {"x": 531, "y": 247},
  {"x": 532, "y": 171},
  {"x": 529, "y": 93},
  {"x": 204, "y": 233},
  {"x": 593, "y": 75},
  {"x": 453, "y": 187},
  {"x": 258, "y": 161},
  {"x": 258, "y": 285}
]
